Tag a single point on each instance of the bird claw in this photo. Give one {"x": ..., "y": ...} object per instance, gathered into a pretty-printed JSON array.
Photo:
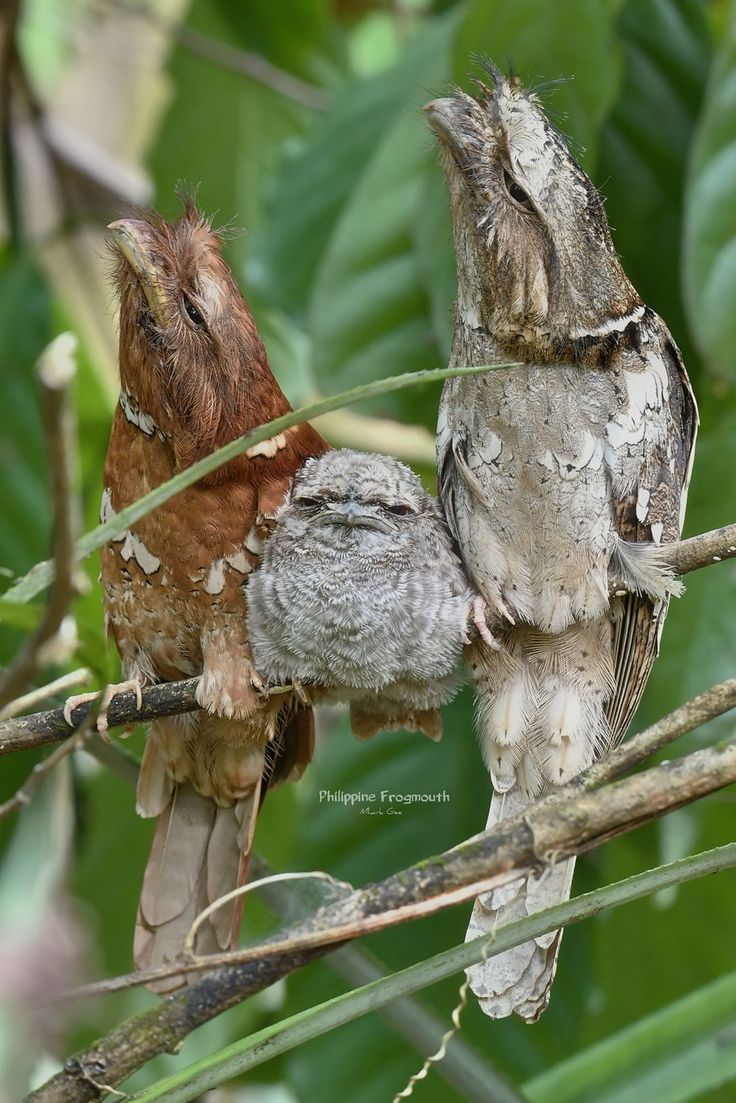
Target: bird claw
[
  {"x": 301, "y": 693},
  {"x": 108, "y": 694},
  {"x": 75, "y": 701},
  {"x": 258, "y": 683},
  {"x": 271, "y": 690},
  {"x": 478, "y": 614}
]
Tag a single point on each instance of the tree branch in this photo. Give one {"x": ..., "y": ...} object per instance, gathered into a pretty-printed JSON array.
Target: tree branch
[
  {"x": 162, "y": 1028},
  {"x": 244, "y": 62},
  {"x": 472, "y": 1075},
  {"x": 294, "y": 1031},
  {"x": 701, "y": 551},
  {"x": 165, "y": 699},
  {"x": 56, "y": 370},
  {"x": 171, "y": 698},
  {"x": 565, "y": 823}
]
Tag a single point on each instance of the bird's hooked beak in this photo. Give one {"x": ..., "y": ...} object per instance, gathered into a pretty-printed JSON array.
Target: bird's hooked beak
[
  {"x": 133, "y": 239},
  {"x": 445, "y": 116},
  {"x": 353, "y": 515}
]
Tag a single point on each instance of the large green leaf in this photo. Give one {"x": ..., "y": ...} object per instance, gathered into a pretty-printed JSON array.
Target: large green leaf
[
  {"x": 710, "y": 225},
  {"x": 25, "y": 328},
  {"x": 227, "y": 142},
  {"x": 317, "y": 183},
  {"x": 544, "y": 42},
  {"x": 673, "y": 1056},
  {"x": 368, "y": 313},
  {"x": 644, "y": 144}
]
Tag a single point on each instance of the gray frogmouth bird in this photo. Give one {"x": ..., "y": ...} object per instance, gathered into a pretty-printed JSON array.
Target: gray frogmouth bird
[
  {"x": 561, "y": 478},
  {"x": 360, "y": 596}
]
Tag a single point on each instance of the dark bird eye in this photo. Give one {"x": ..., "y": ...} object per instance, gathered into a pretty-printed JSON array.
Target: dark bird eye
[
  {"x": 517, "y": 194},
  {"x": 308, "y": 503},
  {"x": 192, "y": 312},
  {"x": 400, "y": 510}
]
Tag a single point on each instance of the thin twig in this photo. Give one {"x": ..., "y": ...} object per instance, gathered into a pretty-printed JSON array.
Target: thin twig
[
  {"x": 162, "y": 1028},
  {"x": 74, "y": 678},
  {"x": 75, "y": 742},
  {"x": 701, "y": 551},
  {"x": 166, "y": 699},
  {"x": 472, "y": 1076},
  {"x": 56, "y": 370},
  {"x": 244, "y": 62},
  {"x": 716, "y": 701},
  {"x": 560, "y": 825}
]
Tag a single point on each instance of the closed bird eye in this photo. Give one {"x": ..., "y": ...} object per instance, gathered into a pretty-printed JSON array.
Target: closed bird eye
[
  {"x": 307, "y": 503},
  {"x": 400, "y": 510},
  {"x": 192, "y": 313},
  {"x": 517, "y": 193}
]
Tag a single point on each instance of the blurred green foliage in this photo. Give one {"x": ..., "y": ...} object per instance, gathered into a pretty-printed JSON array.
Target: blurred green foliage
[{"x": 348, "y": 263}]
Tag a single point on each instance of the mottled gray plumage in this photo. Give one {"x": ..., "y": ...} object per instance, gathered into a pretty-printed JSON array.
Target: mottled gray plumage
[
  {"x": 360, "y": 594},
  {"x": 557, "y": 477}
]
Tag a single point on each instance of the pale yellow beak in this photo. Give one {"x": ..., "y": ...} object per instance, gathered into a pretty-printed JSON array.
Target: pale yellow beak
[
  {"x": 443, "y": 117},
  {"x": 133, "y": 238}
]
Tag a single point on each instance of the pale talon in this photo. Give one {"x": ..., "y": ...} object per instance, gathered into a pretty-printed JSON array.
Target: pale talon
[
  {"x": 277, "y": 690},
  {"x": 110, "y": 692},
  {"x": 132, "y": 685},
  {"x": 258, "y": 684},
  {"x": 74, "y": 702},
  {"x": 301, "y": 693},
  {"x": 478, "y": 611},
  {"x": 504, "y": 611}
]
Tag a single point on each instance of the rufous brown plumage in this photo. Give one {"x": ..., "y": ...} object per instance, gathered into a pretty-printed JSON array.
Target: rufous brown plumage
[{"x": 194, "y": 375}]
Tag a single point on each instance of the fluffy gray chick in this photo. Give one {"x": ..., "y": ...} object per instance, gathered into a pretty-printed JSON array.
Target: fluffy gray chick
[{"x": 361, "y": 595}]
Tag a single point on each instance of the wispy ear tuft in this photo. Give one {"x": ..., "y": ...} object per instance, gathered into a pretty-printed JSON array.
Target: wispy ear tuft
[{"x": 188, "y": 195}]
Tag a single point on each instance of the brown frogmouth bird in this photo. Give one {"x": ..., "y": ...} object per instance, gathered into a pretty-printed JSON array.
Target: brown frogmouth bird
[
  {"x": 194, "y": 375},
  {"x": 361, "y": 597},
  {"x": 561, "y": 478}
]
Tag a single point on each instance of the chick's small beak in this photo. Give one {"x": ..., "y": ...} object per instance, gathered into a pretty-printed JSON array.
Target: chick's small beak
[
  {"x": 133, "y": 239},
  {"x": 353, "y": 515}
]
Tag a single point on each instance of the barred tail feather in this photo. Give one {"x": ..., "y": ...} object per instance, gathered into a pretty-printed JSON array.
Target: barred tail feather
[
  {"x": 517, "y": 981},
  {"x": 541, "y": 719},
  {"x": 199, "y": 853}
]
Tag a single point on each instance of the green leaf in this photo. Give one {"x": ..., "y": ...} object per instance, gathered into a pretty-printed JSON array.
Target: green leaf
[
  {"x": 673, "y": 1056},
  {"x": 547, "y": 41},
  {"x": 435, "y": 253},
  {"x": 319, "y": 181},
  {"x": 240, "y": 124},
  {"x": 25, "y": 328},
  {"x": 710, "y": 225},
  {"x": 644, "y": 144},
  {"x": 368, "y": 313}
]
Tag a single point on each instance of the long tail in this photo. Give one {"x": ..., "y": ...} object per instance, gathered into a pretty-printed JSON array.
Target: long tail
[
  {"x": 199, "y": 853},
  {"x": 518, "y": 981},
  {"x": 541, "y": 719},
  {"x": 205, "y": 825}
]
